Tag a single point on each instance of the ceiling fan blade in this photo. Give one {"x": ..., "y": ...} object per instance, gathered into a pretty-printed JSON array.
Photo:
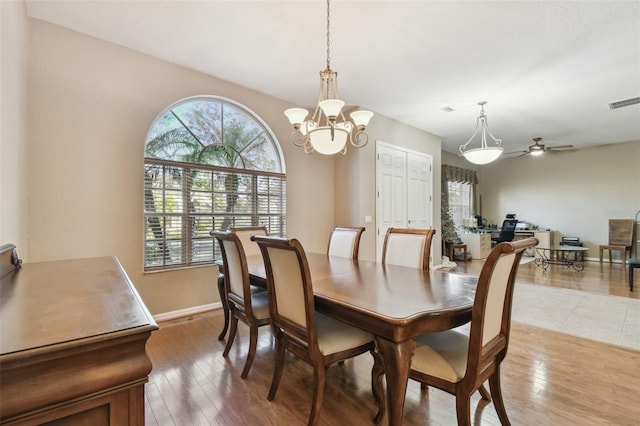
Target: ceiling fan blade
[
  {"x": 516, "y": 153},
  {"x": 559, "y": 147}
]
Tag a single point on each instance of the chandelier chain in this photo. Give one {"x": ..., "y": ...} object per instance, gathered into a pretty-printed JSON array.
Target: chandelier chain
[{"x": 328, "y": 33}]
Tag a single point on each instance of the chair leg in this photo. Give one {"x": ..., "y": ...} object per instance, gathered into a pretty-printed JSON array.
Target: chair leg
[
  {"x": 463, "y": 409},
  {"x": 225, "y": 306},
  {"x": 232, "y": 335},
  {"x": 318, "y": 394},
  {"x": 253, "y": 343},
  {"x": 377, "y": 373},
  {"x": 484, "y": 393},
  {"x": 277, "y": 371},
  {"x": 496, "y": 393}
]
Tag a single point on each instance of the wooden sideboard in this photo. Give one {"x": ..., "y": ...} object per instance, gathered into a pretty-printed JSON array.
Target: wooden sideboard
[{"x": 72, "y": 343}]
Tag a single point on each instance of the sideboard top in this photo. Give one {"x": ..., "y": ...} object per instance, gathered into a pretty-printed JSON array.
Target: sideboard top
[{"x": 45, "y": 304}]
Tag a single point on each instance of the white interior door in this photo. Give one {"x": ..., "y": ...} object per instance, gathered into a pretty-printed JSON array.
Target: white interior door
[
  {"x": 404, "y": 181},
  {"x": 419, "y": 196},
  {"x": 391, "y": 174}
]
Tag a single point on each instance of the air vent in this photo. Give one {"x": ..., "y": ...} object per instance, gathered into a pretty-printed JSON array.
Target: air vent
[
  {"x": 447, "y": 109},
  {"x": 624, "y": 103}
]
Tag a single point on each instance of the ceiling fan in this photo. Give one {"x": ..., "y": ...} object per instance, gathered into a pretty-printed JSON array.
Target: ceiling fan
[{"x": 538, "y": 149}]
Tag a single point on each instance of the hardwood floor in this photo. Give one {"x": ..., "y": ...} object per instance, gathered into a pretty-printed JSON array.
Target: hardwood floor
[
  {"x": 605, "y": 278},
  {"x": 548, "y": 378}
]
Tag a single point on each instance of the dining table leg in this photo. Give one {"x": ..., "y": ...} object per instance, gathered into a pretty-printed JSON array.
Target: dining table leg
[
  {"x": 397, "y": 362},
  {"x": 225, "y": 306}
]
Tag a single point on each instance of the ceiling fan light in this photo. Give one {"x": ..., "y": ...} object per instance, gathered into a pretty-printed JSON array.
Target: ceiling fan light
[{"x": 536, "y": 152}]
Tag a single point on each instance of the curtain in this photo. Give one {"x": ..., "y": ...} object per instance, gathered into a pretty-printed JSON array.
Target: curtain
[{"x": 458, "y": 174}]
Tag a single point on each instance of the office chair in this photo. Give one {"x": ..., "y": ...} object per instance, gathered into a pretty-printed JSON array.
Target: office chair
[{"x": 507, "y": 233}]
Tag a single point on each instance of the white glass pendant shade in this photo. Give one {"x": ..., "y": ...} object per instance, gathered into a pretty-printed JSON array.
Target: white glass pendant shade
[
  {"x": 483, "y": 155},
  {"x": 331, "y": 107},
  {"x": 361, "y": 118},
  {"x": 322, "y": 142},
  {"x": 296, "y": 115}
]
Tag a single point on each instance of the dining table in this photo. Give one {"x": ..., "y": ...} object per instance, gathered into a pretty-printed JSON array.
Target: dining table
[{"x": 394, "y": 303}]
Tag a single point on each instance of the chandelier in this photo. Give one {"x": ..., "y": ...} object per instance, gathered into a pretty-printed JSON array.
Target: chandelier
[
  {"x": 486, "y": 153},
  {"x": 327, "y": 131}
]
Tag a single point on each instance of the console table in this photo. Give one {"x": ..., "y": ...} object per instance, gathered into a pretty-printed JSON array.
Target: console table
[
  {"x": 572, "y": 256},
  {"x": 72, "y": 347}
]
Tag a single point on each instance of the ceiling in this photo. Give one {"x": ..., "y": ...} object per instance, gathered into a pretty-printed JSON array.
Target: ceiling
[{"x": 546, "y": 69}]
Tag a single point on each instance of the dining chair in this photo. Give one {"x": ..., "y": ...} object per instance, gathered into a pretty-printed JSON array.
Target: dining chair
[
  {"x": 620, "y": 238},
  {"x": 250, "y": 249},
  {"x": 250, "y": 308},
  {"x": 345, "y": 242},
  {"x": 317, "y": 339},
  {"x": 459, "y": 363},
  {"x": 407, "y": 247}
]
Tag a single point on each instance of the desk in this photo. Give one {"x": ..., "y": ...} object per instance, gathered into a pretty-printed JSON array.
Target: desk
[
  {"x": 572, "y": 256},
  {"x": 73, "y": 344},
  {"x": 394, "y": 303}
]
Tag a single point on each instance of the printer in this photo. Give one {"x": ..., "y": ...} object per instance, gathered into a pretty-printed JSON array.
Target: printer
[{"x": 522, "y": 226}]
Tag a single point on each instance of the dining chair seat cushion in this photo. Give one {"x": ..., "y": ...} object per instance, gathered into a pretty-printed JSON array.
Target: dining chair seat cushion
[
  {"x": 260, "y": 305},
  {"x": 336, "y": 336},
  {"x": 405, "y": 250},
  {"x": 442, "y": 355}
]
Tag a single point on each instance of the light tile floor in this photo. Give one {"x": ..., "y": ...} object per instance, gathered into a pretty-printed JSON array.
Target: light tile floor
[{"x": 608, "y": 319}]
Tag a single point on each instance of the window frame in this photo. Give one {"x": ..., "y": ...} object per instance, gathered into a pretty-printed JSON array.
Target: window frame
[
  {"x": 188, "y": 217},
  {"x": 454, "y": 208}
]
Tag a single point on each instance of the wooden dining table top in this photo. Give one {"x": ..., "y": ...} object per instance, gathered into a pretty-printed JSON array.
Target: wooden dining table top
[{"x": 393, "y": 302}]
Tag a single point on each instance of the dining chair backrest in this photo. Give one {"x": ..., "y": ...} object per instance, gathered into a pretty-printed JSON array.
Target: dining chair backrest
[
  {"x": 621, "y": 232},
  {"x": 290, "y": 290},
  {"x": 408, "y": 247},
  {"x": 345, "y": 242},
  {"x": 491, "y": 315},
  {"x": 245, "y": 233},
  {"x": 235, "y": 268}
]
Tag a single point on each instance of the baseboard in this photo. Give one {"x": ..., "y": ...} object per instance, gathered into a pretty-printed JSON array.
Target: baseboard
[{"x": 196, "y": 310}]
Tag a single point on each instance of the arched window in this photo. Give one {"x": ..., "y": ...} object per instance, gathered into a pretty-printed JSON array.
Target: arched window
[{"x": 210, "y": 163}]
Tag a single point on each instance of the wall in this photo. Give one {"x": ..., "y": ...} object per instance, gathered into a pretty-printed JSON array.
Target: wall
[
  {"x": 574, "y": 193},
  {"x": 90, "y": 106},
  {"x": 356, "y": 179},
  {"x": 13, "y": 125}
]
